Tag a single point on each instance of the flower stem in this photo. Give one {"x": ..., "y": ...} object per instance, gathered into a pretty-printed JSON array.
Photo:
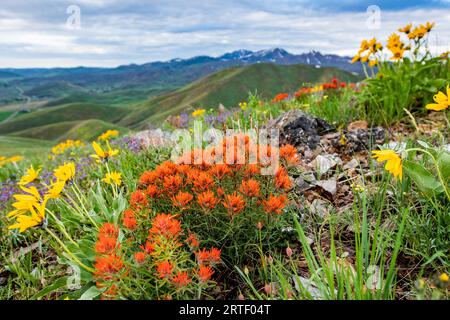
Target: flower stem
[{"x": 70, "y": 253}]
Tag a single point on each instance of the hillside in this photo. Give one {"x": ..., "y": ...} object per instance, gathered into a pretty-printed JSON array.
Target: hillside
[
  {"x": 17, "y": 145},
  {"x": 149, "y": 78},
  {"x": 85, "y": 129},
  {"x": 230, "y": 87},
  {"x": 58, "y": 115},
  {"x": 85, "y": 116}
]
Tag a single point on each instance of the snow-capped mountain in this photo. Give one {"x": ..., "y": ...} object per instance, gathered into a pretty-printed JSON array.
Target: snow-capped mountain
[{"x": 275, "y": 55}]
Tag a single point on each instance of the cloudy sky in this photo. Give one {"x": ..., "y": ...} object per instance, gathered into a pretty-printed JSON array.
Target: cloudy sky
[{"x": 46, "y": 33}]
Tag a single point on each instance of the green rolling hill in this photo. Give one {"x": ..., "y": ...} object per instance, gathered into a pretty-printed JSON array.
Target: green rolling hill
[
  {"x": 85, "y": 130},
  {"x": 60, "y": 114},
  {"x": 86, "y": 115},
  {"x": 23, "y": 146},
  {"x": 230, "y": 87}
]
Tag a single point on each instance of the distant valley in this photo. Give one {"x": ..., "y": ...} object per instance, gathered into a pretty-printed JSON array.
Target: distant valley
[
  {"x": 57, "y": 104},
  {"x": 142, "y": 81}
]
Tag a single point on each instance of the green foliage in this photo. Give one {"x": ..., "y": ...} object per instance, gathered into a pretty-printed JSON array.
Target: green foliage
[{"x": 229, "y": 87}]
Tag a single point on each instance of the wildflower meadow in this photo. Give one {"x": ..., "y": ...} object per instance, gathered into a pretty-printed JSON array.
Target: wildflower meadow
[{"x": 232, "y": 204}]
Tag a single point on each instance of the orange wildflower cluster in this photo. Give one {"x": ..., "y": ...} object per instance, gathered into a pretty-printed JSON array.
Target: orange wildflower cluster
[
  {"x": 164, "y": 252},
  {"x": 193, "y": 185},
  {"x": 280, "y": 97},
  {"x": 335, "y": 85},
  {"x": 108, "y": 263}
]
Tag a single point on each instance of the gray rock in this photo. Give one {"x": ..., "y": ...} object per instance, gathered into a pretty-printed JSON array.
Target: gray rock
[
  {"x": 302, "y": 185},
  {"x": 324, "y": 163},
  {"x": 155, "y": 138},
  {"x": 364, "y": 139},
  {"x": 329, "y": 186},
  {"x": 300, "y": 129}
]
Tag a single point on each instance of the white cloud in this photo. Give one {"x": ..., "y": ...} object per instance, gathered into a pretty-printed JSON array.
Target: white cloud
[{"x": 113, "y": 33}]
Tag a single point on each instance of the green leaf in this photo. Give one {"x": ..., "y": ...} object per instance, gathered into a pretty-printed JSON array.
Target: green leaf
[
  {"x": 424, "y": 179},
  {"x": 443, "y": 161},
  {"x": 90, "y": 293},
  {"x": 60, "y": 283}
]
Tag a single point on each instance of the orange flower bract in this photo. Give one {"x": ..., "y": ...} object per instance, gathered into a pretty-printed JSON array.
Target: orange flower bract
[
  {"x": 182, "y": 199},
  {"x": 250, "y": 188},
  {"x": 164, "y": 269},
  {"x": 181, "y": 279},
  {"x": 165, "y": 225},
  {"x": 204, "y": 273},
  {"x": 234, "y": 203},
  {"x": 207, "y": 200},
  {"x": 275, "y": 204}
]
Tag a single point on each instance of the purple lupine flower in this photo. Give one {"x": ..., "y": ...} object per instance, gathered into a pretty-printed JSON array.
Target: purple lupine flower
[
  {"x": 184, "y": 120},
  {"x": 210, "y": 119},
  {"x": 222, "y": 117}
]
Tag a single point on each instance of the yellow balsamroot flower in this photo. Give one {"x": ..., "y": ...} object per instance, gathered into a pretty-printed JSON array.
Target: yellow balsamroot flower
[
  {"x": 55, "y": 189},
  {"x": 374, "y": 46},
  {"x": 13, "y": 159},
  {"x": 101, "y": 154},
  {"x": 108, "y": 135},
  {"x": 428, "y": 26},
  {"x": 442, "y": 101},
  {"x": 397, "y": 53},
  {"x": 406, "y": 29},
  {"x": 364, "y": 46},
  {"x": 243, "y": 106},
  {"x": 198, "y": 112},
  {"x": 418, "y": 33},
  {"x": 113, "y": 177},
  {"x": 373, "y": 63},
  {"x": 443, "y": 277},
  {"x": 65, "y": 172},
  {"x": 30, "y": 176},
  {"x": 364, "y": 59},
  {"x": 393, "y": 161},
  {"x": 68, "y": 144},
  {"x": 394, "y": 42},
  {"x": 24, "y": 222},
  {"x": 356, "y": 58},
  {"x": 25, "y": 202}
]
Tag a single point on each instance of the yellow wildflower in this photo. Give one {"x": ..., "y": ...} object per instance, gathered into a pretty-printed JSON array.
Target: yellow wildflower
[
  {"x": 5, "y": 160},
  {"x": 442, "y": 101},
  {"x": 373, "y": 63},
  {"x": 356, "y": 58},
  {"x": 101, "y": 154},
  {"x": 15, "y": 159},
  {"x": 397, "y": 53},
  {"x": 198, "y": 112},
  {"x": 406, "y": 29},
  {"x": 108, "y": 134},
  {"x": 443, "y": 277},
  {"x": 113, "y": 177},
  {"x": 30, "y": 176},
  {"x": 65, "y": 172},
  {"x": 55, "y": 189},
  {"x": 68, "y": 144},
  {"x": 418, "y": 33},
  {"x": 25, "y": 202},
  {"x": 364, "y": 59},
  {"x": 428, "y": 26},
  {"x": 243, "y": 106},
  {"x": 24, "y": 222},
  {"x": 393, "y": 161}
]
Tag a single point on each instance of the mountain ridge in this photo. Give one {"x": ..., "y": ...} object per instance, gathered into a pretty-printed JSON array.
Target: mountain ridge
[{"x": 152, "y": 78}]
